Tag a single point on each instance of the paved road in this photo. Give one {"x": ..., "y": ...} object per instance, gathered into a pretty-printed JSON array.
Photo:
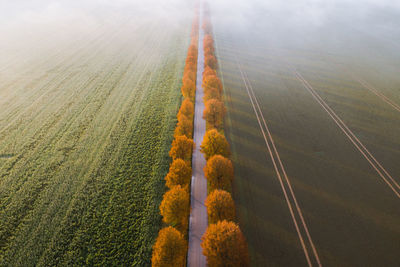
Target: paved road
[{"x": 198, "y": 216}]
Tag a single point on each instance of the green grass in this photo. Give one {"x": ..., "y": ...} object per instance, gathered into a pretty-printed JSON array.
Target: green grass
[{"x": 85, "y": 140}]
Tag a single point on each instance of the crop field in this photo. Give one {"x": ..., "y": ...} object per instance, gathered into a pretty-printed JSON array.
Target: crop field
[
  {"x": 351, "y": 213},
  {"x": 85, "y": 130},
  {"x": 296, "y": 122}
]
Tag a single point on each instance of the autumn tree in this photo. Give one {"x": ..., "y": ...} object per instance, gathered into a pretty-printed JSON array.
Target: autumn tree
[
  {"x": 191, "y": 59},
  {"x": 184, "y": 126},
  {"x": 189, "y": 68},
  {"x": 190, "y": 74},
  {"x": 220, "y": 206},
  {"x": 224, "y": 245},
  {"x": 211, "y": 93},
  {"x": 208, "y": 43},
  {"x": 179, "y": 173},
  {"x": 208, "y": 52},
  {"x": 211, "y": 61},
  {"x": 182, "y": 148},
  {"x": 169, "y": 249},
  {"x": 214, "y": 143},
  {"x": 188, "y": 88},
  {"x": 195, "y": 26},
  {"x": 186, "y": 109},
  {"x": 212, "y": 81},
  {"x": 214, "y": 113},
  {"x": 209, "y": 71},
  {"x": 175, "y": 207},
  {"x": 219, "y": 172},
  {"x": 192, "y": 50}
]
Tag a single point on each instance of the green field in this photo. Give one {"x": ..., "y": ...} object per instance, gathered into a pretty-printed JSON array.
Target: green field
[
  {"x": 352, "y": 215},
  {"x": 89, "y": 93},
  {"x": 85, "y": 130}
]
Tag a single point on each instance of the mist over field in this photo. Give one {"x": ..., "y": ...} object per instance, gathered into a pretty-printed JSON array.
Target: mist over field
[
  {"x": 343, "y": 27},
  {"x": 332, "y": 26},
  {"x": 313, "y": 77},
  {"x": 42, "y": 27},
  {"x": 78, "y": 79},
  {"x": 89, "y": 96}
]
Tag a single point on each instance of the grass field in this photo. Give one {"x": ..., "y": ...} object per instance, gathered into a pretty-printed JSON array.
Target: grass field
[
  {"x": 351, "y": 213},
  {"x": 89, "y": 93},
  {"x": 85, "y": 130}
]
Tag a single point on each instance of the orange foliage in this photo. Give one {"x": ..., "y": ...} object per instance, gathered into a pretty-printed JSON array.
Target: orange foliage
[
  {"x": 209, "y": 71},
  {"x": 190, "y": 68},
  {"x": 192, "y": 50},
  {"x": 212, "y": 81},
  {"x": 211, "y": 93},
  {"x": 214, "y": 113},
  {"x": 214, "y": 143},
  {"x": 191, "y": 59},
  {"x": 220, "y": 206},
  {"x": 219, "y": 172},
  {"x": 195, "y": 26},
  {"x": 175, "y": 207},
  {"x": 211, "y": 61},
  {"x": 169, "y": 249},
  {"x": 224, "y": 245},
  {"x": 188, "y": 88},
  {"x": 182, "y": 148},
  {"x": 208, "y": 43},
  {"x": 184, "y": 127},
  {"x": 208, "y": 52},
  {"x": 179, "y": 173},
  {"x": 186, "y": 109},
  {"x": 189, "y": 75}
]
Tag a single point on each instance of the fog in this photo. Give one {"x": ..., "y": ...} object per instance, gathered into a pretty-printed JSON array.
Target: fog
[
  {"x": 38, "y": 26},
  {"x": 35, "y": 31},
  {"x": 332, "y": 26}
]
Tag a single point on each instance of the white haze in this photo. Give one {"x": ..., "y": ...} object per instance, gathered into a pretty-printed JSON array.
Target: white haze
[
  {"x": 308, "y": 21},
  {"x": 37, "y": 26},
  {"x": 41, "y": 26}
]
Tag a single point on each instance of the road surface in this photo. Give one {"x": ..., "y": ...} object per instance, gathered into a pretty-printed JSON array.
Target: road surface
[{"x": 198, "y": 216}]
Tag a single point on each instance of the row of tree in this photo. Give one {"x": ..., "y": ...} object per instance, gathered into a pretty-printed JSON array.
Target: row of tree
[
  {"x": 223, "y": 242},
  {"x": 170, "y": 248}
]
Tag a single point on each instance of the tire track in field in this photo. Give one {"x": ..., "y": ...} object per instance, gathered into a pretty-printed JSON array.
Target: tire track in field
[
  {"x": 230, "y": 102},
  {"x": 383, "y": 173},
  {"x": 376, "y": 92},
  {"x": 280, "y": 171}
]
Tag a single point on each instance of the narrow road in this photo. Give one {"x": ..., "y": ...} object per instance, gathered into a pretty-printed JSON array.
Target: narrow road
[{"x": 198, "y": 215}]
